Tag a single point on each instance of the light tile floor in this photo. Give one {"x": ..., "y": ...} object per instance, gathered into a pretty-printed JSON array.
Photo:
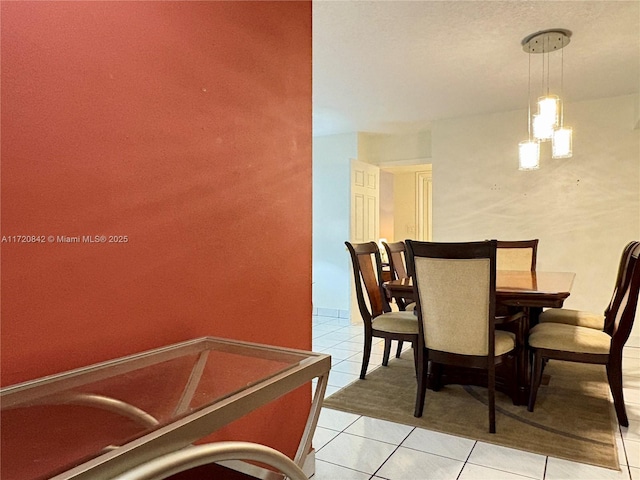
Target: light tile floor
[{"x": 355, "y": 447}]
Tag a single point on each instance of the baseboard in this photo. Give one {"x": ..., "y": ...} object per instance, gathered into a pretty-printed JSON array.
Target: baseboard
[{"x": 331, "y": 312}]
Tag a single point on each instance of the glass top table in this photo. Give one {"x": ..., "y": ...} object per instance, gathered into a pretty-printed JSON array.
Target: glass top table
[{"x": 102, "y": 420}]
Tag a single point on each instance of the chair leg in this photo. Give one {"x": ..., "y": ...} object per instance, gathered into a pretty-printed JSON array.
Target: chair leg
[
  {"x": 366, "y": 353},
  {"x": 491, "y": 383},
  {"x": 536, "y": 377},
  {"x": 399, "y": 350},
  {"x": 422, "y": 361},
  {"x": 522, "y": 373},
  {"x": 614, "y": 375},
  {"x": 387, "y": 352}
]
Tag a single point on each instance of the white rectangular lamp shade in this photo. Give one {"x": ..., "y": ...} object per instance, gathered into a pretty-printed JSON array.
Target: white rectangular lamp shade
[
  {"x": 561, "y": 145},
  {"x": 529, "y": 154},
  {"x": 549, "y": 109},
  {"x": 542, "y": 127}
]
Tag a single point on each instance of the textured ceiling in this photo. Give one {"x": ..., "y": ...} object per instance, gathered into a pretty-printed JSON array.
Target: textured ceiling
[{"x": 387, "y": 66}]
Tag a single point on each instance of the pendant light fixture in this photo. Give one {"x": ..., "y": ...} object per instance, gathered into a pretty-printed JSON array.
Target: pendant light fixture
[{"x": 548, "y": 122}]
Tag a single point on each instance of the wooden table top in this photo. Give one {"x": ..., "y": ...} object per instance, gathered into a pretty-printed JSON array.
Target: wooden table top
[
  {"x": 520, "y": 288},
  {"x": 534, "y": 282}
]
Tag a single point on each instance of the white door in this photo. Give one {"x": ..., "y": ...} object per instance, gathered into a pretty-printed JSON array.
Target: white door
[
  {"x": 365, "y": 214},
  {"x": 365, "y": 197}
]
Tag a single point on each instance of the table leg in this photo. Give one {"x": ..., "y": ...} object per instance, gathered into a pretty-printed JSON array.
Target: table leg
[
  {"x": 312, "y": 420},
  {"x": 534, "y": 315},
  {"x": 524, "y": 359}
]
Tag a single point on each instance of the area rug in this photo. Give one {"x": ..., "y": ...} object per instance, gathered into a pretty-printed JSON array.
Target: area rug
[{"x": 573, "y": 418}]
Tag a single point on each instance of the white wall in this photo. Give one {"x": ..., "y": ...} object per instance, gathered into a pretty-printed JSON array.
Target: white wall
[
  {"x": 387, "y": 206},
  {"x": 583, "y": 209},
  {"x": 331, "y": 263},
  {"x": 395, "y": 149}
]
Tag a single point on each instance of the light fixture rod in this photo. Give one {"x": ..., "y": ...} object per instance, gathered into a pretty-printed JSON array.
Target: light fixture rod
[
  {"x": 542, "y": 91},
  {"x": 529, "y": 98},
  {"x": 548, "y": 68},
  {"x": 562, "y": 88}
]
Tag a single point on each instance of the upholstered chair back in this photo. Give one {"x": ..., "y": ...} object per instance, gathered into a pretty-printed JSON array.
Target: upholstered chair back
[
  {"x": 454, "y": 298},
  {"x": 517, "y": 255}
]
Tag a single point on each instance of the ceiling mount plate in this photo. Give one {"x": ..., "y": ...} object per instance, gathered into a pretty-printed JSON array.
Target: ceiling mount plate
[{"x": 546, "y": 41}]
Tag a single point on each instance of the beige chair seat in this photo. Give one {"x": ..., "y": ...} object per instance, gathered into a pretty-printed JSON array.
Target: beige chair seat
[
  {"x": 396, "y": 322},
  {"x": 577, "y": 318},
  {"x": 505, "y": 342},
  {"x": 569, "y": 338}
]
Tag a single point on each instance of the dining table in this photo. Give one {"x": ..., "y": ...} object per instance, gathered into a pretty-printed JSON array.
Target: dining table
[
  {"x": 531, "y": 291},
  {"x": 104, "y": 420}
]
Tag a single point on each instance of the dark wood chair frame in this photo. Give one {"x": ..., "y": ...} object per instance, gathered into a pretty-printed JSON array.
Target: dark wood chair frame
[
  {"x": 370, "y": 274},
  {"x": 467, "y": 250},
  {"x": 395, "y": 254},
  {"x": 622, "y": 280},
  {"x": 620, "y": 318}
]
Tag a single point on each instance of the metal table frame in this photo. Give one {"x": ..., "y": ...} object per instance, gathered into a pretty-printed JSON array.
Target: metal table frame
[{"x": 182, "y": 432}]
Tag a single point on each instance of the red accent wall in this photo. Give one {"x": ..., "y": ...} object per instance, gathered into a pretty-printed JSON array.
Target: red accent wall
[{"x": 184, "y": 126}]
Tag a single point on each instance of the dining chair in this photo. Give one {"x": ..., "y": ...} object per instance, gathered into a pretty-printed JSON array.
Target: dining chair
[
  {"x": 379, "y": 320},
  {"x": 587, "y": 319},
  {"x": 517, "y": 254},
  {"x": 571, "y": 343},
  {"x": 396, "y": 252},
  {"x": 455, "y": 290}
]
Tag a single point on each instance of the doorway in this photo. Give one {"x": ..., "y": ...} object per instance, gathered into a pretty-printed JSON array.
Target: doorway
[{"x": 411, "y": 214}]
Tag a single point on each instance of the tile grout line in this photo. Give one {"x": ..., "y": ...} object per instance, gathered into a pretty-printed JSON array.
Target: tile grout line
[{"x": 391, "y": 454}]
